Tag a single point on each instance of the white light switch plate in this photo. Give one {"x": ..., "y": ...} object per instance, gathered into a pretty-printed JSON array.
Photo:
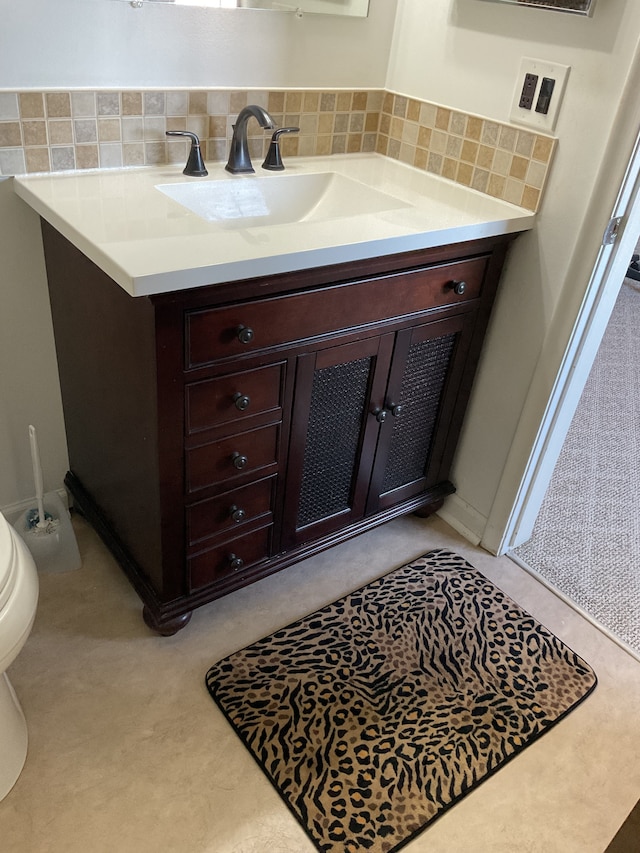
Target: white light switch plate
[{"x": 541, "y": 68}]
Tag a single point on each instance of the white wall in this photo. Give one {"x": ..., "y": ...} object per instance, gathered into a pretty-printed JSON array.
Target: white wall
[
  {"x": 108, "y": 44},
  {"x": 466, "y": 54}
]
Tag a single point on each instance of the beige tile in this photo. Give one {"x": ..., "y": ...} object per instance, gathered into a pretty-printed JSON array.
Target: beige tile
[
  {"x": 474, "y": 128},
  {"x": 465, "y": 174},
  {"x": 372, "y": 122},
  {"x": 413, "y": 110},
  {"x": 87, "y": 157},
  {"x": 132, "y": 103},
  {"x": 442, "y": 118},
  {"x": 530, "y": 197},
  {"x": 31, "y": 105},
  {"x": 519, "y": 168},
  {"x": 34, "y": 132},
  {"x": 10, "y": 134},
  {"x": 450, "y": 169},
  {"x": 37, "y": 159},
  {"x": 343, "y": 101},
  {"x": 109, "y": 129},
  {"x": 420, "y": 160},
  {"x": 424, "y": 136},
  {"x": 58, "y": 104},
  {"x": 428, "y": 115},
  {"x": 311, "y": 102},
  {"x": 293, "y": 102},
  {"x": 542, "y": 149},
  {"x": 275, "y": 103},
  {"x": 198, "y": 103},
  {"x": 60, "y": 131},
  {"x": 354, "y": 143}
]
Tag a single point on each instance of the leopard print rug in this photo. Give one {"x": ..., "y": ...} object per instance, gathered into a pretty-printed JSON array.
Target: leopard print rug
[{"x": 375, "y": 714}]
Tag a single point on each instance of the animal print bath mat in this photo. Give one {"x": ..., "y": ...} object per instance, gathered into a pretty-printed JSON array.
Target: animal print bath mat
[{"x": 375, "y": 714}]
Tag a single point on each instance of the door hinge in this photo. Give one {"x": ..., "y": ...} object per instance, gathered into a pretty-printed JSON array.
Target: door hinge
[{"x": 612, "y": 231}]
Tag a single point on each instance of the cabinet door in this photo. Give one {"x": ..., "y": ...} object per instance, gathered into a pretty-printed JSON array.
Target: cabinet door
[
  {"x": 424, "y": 382},
  {"x": 334, "y": 436}
]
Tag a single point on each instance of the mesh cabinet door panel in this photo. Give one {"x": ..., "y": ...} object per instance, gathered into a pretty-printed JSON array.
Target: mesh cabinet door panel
[
  {"x": 413, "y": 429},
  {"x": 334, "y": 435}
]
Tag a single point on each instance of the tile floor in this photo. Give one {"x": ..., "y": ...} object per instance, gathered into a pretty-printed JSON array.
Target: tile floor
[{"x": 128, "y": 754}]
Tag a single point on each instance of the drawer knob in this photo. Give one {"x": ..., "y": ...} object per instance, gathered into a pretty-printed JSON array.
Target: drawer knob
[
  {"x": 458, "y": 287},
  {"x": 239, "y": 461},
  {"x": 237, "y": 513},
  {"x": 235, "y": 562},
  {"x": 395, "y": 409},
  {"x": 244, "y": 334},
  {"x": 241, "y": 401}
]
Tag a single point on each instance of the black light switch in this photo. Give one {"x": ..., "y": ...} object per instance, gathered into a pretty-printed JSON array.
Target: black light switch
[{"x": 544, "y": 97}]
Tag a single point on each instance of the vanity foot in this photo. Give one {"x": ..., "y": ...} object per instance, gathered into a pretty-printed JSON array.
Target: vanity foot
[
  {"x": 429, "y": 509},
  {"x": 166, "y": 628}
]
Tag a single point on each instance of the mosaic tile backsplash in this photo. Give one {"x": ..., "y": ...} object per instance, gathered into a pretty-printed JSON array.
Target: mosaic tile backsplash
[{"x": 57, "y": 131}]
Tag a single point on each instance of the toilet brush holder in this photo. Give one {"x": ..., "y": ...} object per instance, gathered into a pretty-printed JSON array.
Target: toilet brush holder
[{"x": 53, "y": 545}]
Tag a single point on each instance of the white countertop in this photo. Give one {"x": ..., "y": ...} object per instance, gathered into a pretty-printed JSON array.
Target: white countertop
[{"x": 149, "y": 243}]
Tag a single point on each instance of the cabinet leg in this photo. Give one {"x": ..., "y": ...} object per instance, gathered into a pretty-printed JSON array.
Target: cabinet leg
[
  {"x": 166, "y": 628},
  {"x": 428, "y": 509}
]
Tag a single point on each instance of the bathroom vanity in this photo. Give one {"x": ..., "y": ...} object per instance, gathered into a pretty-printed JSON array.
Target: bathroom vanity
[{"x": 228, "y": 418}]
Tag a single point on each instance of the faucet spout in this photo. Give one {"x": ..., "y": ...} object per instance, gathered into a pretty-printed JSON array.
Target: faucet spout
[{"x": 239, "y": 158}]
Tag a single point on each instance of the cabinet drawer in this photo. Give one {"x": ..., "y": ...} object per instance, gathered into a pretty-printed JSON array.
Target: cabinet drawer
[
  {"x": 229, "y": 398},
  {"x": 229, "y": 511},
  {"x": 220, "y": 332},
  {"x": 234, "y": 456},
  {"x": 229, "y": 558}
]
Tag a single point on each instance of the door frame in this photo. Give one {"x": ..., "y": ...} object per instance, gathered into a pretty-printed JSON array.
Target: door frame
[{"x": 616, "y": 194}]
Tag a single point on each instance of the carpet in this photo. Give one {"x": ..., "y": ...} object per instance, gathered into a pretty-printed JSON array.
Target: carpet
[
  {"x": 375, "y": 714},
  {"x": 586, "y": 539}
]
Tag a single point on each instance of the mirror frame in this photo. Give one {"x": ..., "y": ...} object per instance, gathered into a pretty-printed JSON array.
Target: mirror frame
[
  {"x": 574, "y": 7},
  {"x": 299, "y": 7}
]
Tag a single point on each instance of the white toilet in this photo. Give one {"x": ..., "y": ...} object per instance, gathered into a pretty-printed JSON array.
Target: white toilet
[{"x": 18, "y": 600}]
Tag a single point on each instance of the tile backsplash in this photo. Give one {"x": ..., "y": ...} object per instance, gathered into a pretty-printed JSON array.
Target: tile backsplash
[{"x": 56, "y": 131}]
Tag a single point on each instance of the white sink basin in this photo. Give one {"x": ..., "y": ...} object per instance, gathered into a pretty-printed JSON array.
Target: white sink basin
[{"x": 243, "y": 202}]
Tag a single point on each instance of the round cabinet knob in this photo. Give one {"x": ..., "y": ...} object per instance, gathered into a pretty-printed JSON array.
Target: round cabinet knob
[
  {"x": 395, "y": 409},
  {"x": 237, "y": 513},
  {"x": 244, "y": 334},
  {"x": 241, "y": 401},
  {"x": 458, "y": 287},
  {"x": 235, "y": 562},
  {"x": 239, "y": 461},
  {"x": 381, "y": 415}
]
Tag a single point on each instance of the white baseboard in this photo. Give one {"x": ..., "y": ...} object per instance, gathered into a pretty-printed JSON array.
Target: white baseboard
[
  {"x": 464, "y": 518},
  {"x": 13, "y": 510}
]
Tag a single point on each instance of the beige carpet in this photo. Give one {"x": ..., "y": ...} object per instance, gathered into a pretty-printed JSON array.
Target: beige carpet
[{"x": 586, "y": 540}]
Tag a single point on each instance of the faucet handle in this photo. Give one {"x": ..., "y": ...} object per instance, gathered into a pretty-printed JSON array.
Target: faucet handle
[
  {"x": 195, "y": 165},
  {"x": 273, "y": 160}
]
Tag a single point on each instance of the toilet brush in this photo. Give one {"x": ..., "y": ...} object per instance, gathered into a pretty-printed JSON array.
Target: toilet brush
[
  {"x": 46, "y": 528},
  {"x": 36, "y": 518}
]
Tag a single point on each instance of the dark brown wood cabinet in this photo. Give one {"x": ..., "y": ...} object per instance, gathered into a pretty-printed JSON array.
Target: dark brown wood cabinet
[{"x": 222, "y": 433}]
